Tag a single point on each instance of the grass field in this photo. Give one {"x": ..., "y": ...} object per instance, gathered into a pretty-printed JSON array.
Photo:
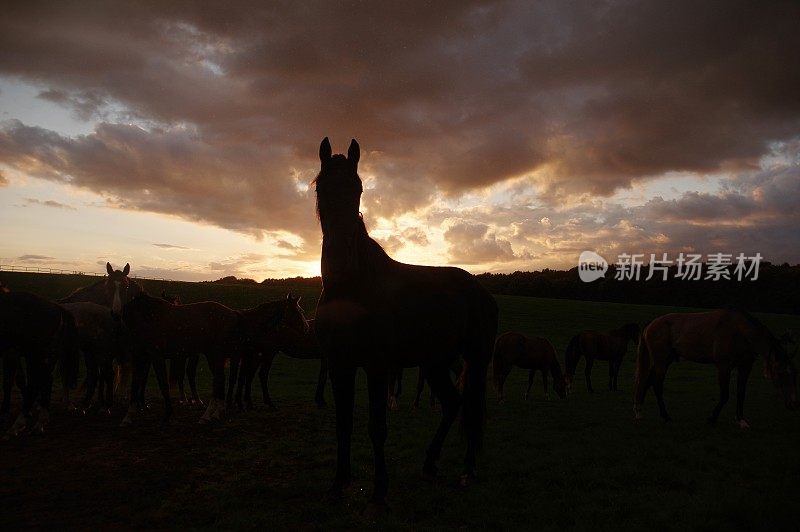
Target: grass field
[{"x": 576, "y": 463}]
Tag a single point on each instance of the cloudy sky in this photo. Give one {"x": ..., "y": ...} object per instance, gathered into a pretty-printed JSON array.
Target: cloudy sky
[{"x": 181, "y": 137}]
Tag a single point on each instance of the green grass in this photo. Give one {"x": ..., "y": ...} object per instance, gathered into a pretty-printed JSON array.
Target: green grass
[{"x": 578, "y": 463}]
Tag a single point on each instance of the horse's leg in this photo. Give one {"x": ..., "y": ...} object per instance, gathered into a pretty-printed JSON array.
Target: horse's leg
[
  {"x": 107, "y": 375},
  {"x": 10, "y": 368},
  {"x": 443, "y": 387},
  {"x": 177, "y": 376},
  {"x": 610, "y": 375},
  {"x": 29, "y": 395},
  {"x": 92, "y": 372},
  {"x": 658, "y": 376},
  {"x": 248, "y": 385},
  {"x": 544, "y": 382},
  {"x": 236, "y": 362},
  {"x": 531, "y": 374},
  {"x": 724, "y": 379},
  {"x": 191, "y": 372},
  {"x": 393, "y": 376},
  {"x": 743, "y": 372},
  {"x": 160, "y": 367},
  {"x": 344, "y": 383},
  {"x": 263, "y": 377},
  {"x": 588, "y": 373},
  {"x": 135, "y": 395},
  {"x": 244, "y": 376},
  {"x": 376, "y": 384},
  {"x": 420, "y": 387},
  {"x": 319, "y": 395},
  {"x": 45, "y": 392}
]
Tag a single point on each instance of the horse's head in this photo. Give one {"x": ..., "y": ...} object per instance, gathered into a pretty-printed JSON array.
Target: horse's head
[
  {"x": 631, "y": 331},
  {"x": 338, "y": 186},
  {"x": 294, "y": 318},
  {"x": 175, "y": 299},
  {"x": 781, "y": 371},
  {"x": 117, "y": 288}
]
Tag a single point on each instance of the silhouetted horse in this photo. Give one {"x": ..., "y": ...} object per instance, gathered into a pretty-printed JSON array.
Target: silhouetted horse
[
  {"x": 100, "y": 337},
  {"x": 181, "y": 366},
  {"x": 161, "y": 330},
  {"x": 378, "y": 314},
  {"x": 527, "y": 352},
  {"x": 43, "y": 333},
  {"x": 292, "y": 345},
  {"x": 593, "y": 345},
  {"x": 730, "y": 339},
  {"x": 113, "y": 291}
]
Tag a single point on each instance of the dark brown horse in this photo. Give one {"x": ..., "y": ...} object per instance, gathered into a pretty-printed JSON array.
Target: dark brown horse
[
  {"x": 181, "y": 367},
  {"x": 266, "y": 331},
  {"x": 291, "y": 344},
  {"x": 43, "y": 333},
  {"x": 113, "y": 291},
  {"x": 730, "y": 339},
  {"x": 526, "y": 352},
  {"x": 378, "y": 314},
  {"x": 593, "y": 345},
  {"x": 161, "y": 330}
]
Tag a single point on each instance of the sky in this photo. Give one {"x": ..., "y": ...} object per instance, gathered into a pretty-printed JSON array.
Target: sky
[{"x": 181, "y": 137}]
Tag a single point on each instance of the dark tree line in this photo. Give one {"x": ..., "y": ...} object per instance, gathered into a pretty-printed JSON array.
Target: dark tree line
[{"x": 777, "y": 288}]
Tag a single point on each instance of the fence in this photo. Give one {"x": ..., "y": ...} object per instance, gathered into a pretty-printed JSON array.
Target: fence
[{"x": 56, "y": 271}]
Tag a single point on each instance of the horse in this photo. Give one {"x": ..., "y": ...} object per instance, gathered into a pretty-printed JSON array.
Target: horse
[
  {"x": 113, "y": 291},
  {"x": 379, "y": 314},
  {"x": 292, "y": 345},
  {"x": 44, "y": 334},
  {"x": 728, "y": 338},
  {"x": 161, "y": 330},
  {"x": 594, "y": 345},
  {"x": 527, "y": 352},
  {"x": 13, "y": 373},
  {"x": 100, "y": 337},
  {"x": 182, "y": 366}
]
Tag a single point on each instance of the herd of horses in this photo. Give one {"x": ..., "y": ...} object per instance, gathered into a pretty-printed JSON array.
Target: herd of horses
[{"x": 374, "y": 313}]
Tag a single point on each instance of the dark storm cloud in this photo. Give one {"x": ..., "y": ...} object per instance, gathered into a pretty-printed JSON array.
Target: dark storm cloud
[{"x": 234, "y": 98}]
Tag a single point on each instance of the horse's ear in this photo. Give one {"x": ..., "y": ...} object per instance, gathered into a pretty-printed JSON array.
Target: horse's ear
[
  {"x": 325, "y": 151},
  {"x": 353, "y": 152},
  {"x": 126, "y": 270},
  {"x": 109, "y": 269}
]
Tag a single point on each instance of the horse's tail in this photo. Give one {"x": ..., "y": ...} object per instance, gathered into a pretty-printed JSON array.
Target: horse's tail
[
  {"x": 70, "y": 355},
  {"x": 643, "y": 363}
]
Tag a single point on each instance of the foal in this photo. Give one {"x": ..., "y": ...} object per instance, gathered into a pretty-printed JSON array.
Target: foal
[
  {"x": 593, "y": 345},
  {"x": 527, "y": 352}
]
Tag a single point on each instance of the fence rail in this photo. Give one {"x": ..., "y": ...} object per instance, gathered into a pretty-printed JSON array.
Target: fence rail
[{"x": 56, "y": 271}]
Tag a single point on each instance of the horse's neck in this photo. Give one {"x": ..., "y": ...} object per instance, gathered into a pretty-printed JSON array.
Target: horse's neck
[
  {"x": 94, "y": 293},
  {"x": 348, "y": 262}
]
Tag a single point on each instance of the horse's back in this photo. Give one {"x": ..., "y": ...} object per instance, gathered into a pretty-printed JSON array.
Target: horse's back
[{"x": 695, "y": 335}]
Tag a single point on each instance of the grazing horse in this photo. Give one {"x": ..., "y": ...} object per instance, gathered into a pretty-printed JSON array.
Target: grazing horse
[
  {"x": 527, "y": 352},
  {"x": 44, "y": 334},
  {"x": 379, "y": 314},
  {"x": 291, "y": 344},
  {"x": 728, "y": 338},
  {"x": 594, "y": 345}
]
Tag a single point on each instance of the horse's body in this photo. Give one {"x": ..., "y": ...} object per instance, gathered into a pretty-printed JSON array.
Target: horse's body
[
  {"x": 729, "y": 339},
  {"x": 181, "y": 367},
  {"x": 161, "y": 330},
  {"x": 43, "y": 333},
  {"x": 593, "y": 345},
  {"x": 380, "y": 314},
  {"x": 100, "y": 337},
  {"x": 526, "y": 352},
  {"x": 291, "y": 344},
  {"x": 113, "y": 292}
]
